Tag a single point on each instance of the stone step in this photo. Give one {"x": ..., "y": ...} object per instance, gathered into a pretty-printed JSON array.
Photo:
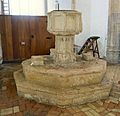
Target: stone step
[
  {"x": 60, "y": 97},
  {"x": 68, "y": 76}
]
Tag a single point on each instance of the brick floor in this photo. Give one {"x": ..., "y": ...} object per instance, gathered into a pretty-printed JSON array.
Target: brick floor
[{"x": 13, "y": 105}]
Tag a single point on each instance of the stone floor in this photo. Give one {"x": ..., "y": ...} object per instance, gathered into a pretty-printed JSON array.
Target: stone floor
[{"x": 12, "y": 105}]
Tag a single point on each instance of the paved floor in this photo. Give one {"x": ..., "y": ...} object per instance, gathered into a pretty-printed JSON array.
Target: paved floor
[{"x": 12, "y": 105}]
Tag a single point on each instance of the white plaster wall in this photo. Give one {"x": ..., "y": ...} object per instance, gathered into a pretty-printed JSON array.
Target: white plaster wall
[
  {"x": 51, "y": 5},
  {"x": 36, "y": 7},
  {"x": 63, "y": 5},
  {"x": 99, "y": 22},
  {"x": 85, "y": 8},
  {"x": 0, "y": 7},
  {"x": 27, "y": 7},
  {"x": 95, "y": 22}
]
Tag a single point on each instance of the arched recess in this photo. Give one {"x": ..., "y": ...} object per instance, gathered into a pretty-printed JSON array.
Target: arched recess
[{"x": 113, "y": 42}]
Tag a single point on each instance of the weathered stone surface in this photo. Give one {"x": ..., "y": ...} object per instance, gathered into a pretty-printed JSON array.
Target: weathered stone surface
[
  {"x": 6, "y": 111},
  {"x": 60, "y": 97},
  {"x": 37, "y": 60},
  {"x": 64, "y": 22},
  {"x": 88, "y": 56},
  {"x": 115, "y": 92},
  {"x": 64, "y": 49},
  {"x": 41, "y": 60},
  {"x": 16, "y": 109},
  {"x": 70, "y": 75}
]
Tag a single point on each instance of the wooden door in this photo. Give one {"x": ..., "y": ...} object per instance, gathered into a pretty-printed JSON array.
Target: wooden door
[
  {"x": 6, "y": 37},
  {"x": 30, "y": 36},
  {"x": 21, "y": 37},
  {"x": 41, "y": 39},
  {"x": 24, "y": 36}
]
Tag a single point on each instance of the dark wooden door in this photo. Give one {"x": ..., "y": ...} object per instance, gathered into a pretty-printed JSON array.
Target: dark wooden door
[
  {"x": 21, "y": 37},
  {"x": 6, "y": 37},
  {"x": 30, "y": 36},
  {"x": 41, "y": 39},
  {"x": 24, "y": 36}
]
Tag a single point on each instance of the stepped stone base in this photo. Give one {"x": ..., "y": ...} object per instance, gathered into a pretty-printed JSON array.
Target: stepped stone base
[
  {"x": 68, "y": 76},
  {"x": 61, "y": 97}
]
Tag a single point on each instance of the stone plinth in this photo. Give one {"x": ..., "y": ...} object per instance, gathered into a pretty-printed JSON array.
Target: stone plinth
[{"x": 68, "y": 76}]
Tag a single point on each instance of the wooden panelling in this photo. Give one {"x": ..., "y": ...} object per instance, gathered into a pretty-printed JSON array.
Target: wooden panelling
[
  {"x": 33, "y": 37},
  {"x": 21, "y": 37},
  {"x": 1, "y": 24},
  {"x": 25, "y": 36},
  {"x": 41, "y": 39},
  {"x": 6, "y": 37},
  {"x": 15, "y": 35}
]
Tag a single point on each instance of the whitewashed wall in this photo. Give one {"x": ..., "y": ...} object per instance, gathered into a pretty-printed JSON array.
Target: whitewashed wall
[
  {"x": 51, "y": 5},
  {"x": 85, "y": 8},
  {"x": 95, "y": 22},
  {"x": 65, "y": 4},
  {"x": 99, "y": 22},
  {"x": 27, "y": 7},
  {"x": 0, "y": 7}
]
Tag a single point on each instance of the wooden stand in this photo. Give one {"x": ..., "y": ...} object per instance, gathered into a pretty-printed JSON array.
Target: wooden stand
[{"x": 91, "y": 44}]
